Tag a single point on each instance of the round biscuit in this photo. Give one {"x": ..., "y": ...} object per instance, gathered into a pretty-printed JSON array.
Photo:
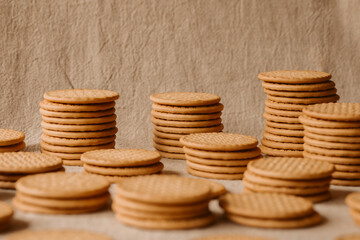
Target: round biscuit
[
  {"x": 334, "y": 111},
  {"x": 284, "y": 132},
  {"x": 281, "y": 145},
  {"x": 284, "y": 106},
  {"x": 331, "y": 159},
  {"x": 77, "y": 128},
  {"x": 347, "y": 168},
  {"x": 327, "y": 138},
  {"x": 95, "y": 134},
  {"x": 185, "y": 124},
  {"x": 280, "y": 152},
  {"x": 221, "y": 176},
  {"x": 63, "y": 156},
  {"x": 94, "y": 114},
  {"x": 74, "y": 149},
  {"x": 220, "y": 162},
  {"x": 10, "y": 137},
  {"x": 185, "y": 117},
  {"x": 168, "y": 148},
  {"x": 288, "y": 126},
  {"x": 246, "y": 154},
  {"x": 328, "y": 92},
  {"x": 188, "y": 110},
  {"x": 311, "y": 87},
  {"x": 175, "y": 136},
  {"x": 171, "y": 155},
  {"x": 77, "y": 141},
  {"x": 294, "y": 76},
  {"x": 313, "y": 122},
  {"x": 189, "y": 130},
  {"x": 80, "y": 121},
  {"x": 185, "y": 98},
  {"x": 72, "y": 162},
  {"x": 7, "y": 184},
  {"x": 346, "y": 175},
  {"x": 165, "y": 141},
  {"x": 345, "y": 182},
  {"x": 305, "y": 101},
  {"x": 280, "y": 119},
  {"x": 283, "y": 113},
  {"x": 61, "y": 107},
  {"x": 284, "y": 139},
  {"x": 13, "y": 148},
  {"x": 331, "y": 145},
  {"x": 332, "y": 152},
  {"x": 353, "y": 132},
  {"x": 216, "y": 169},
  {"x": 57, "y": 235},
  {"x": 81, "y": 96},
  {"x": 125, "y": 171}
]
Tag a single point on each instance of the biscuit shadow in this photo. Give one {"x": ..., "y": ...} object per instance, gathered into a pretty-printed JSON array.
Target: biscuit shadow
[
  {"x": 337, "y": 194},
  {"x": 17, "y": 225},
  {"x": 6, "y": 194},
  {"x": 32, "y": 148}
]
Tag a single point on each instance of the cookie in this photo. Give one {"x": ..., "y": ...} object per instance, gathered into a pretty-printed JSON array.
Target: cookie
[
  {"x": 318, "y": 198},
  {"x": 185, "y": 117},
  {"x": 347, "y": 168},
  {"x": 332, "y": 152},
  {"x": 79, "y": 121},
  {"x": 309, "y": 121},
  {"x": 283, "y": 113},
  {"x": 219, "y": 141},
  {"x": 286, "y": 126},
  {"x": 60, "y": 107},
  {"x": 280, "y": 152},
  {"x": 185, "y": 98},
  {"x": 72, "y": 162},
  {"x": 230, "y": 237},
  {"x": 77, "y": 128},
  {"x": 334, "y": 111},
  {"x": 7, "y": 184},
  {"x": 328, "y": 92},
  {"x": 125, "y": 171},
  {"x": 220, "y": 162},
  {"x": 77, "y": 141},
  {"x": 284, "y": 132},
  {"x": 63, "y": 156},
  {"x": 215, "y": 169},
  {"x": 282, "y": 145},
  {"x": 353, "y": 132},
  {"x": 336, "y": 139},
  {"x": 284, "y": 106},
  {"x": 10, "y": 137},
  {"x": 331, "y": 145},
  {"x": 81, "y": 96},
  {"x": 76, "y": 149},
  {"x": 331, "y": 159},
  {"x": 222, "y": 176},
  {"x": 189, "y": 130},
  {"x": 283, "y": 139},
  {"x": 349, "y": 237},
  {"x": 13, "y": 148},
  {"x": 95, "y": 134},
  {"x": 346, "y": 175},
  {"x": 57, "y": 235},
  {"x": 175, "y": 136},
  {"x": 188, "y": 110},
  {"x": 167, "y": 148},
  {"x": 312, "y": 87},
  {"x": 11, "y": 177},
  {"x": 6, "y": 212},
  {"x": 93, "y": 114},
  {"x": 217, "y": 189},
  {"x": 314, "y": 100},
  {"x": 223, "y": 155},
  {"x": 294, "y": 76},
  {"x": 185, "y": 124},
  {"x": 171, "y": 155},
  {"x": 165, "y": 141},
  {"x": 275, "y": 118},
  {"x": 345, "y": 182},
  {"x": 353, "y": 200}
]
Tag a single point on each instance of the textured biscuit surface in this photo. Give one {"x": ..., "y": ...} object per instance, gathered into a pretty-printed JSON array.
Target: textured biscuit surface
[
  {"x": 294, "y": 76},
  {"x": 172, "y": 123},
  {"x": 280, "y": 152},
  {"x": 89, "y": 114},
  {"x": 334, "y": 111},
  {"x": 325, "y": 99},
  {"x": 246, "y": 154},
  {"x": 328, "y": 92},
  {"x": 94, "y": 134},
  {"x": 10, "y": 137},
  {"x": 211, "y": 175},
  {"x": 77, "y": 141},
  {"x": 188, "y": 110},
  {"x": 125, "y": 171},
  {"x": 77, "y": 128},
  {"x": 314, "y": 122},
  {"x": 74, "y": 149},
  {"x": 81, "y": 96},
  {"x": 299, "y": 87},
  {"x": 185, "y": 98},
  {"x": 188, "y": 130},
  {"x": 60, "y": 107},
  {"x": 57, "y": 235},
  {"x": 80, "y": 121},
  {"x": 185, "y": 117}
]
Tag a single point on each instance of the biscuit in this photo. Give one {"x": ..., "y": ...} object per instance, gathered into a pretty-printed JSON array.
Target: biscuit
[
  {"x": 217, "y": 189},
  {"x": 10, "y": 137},
  {"x": 346, "y": 175},
  {"x": 353, "y": 200},
  {"x": 79, "y": 121},
  {"x": 294, "y": 76},
  {"x": 328, "y": 92},
  {"x": 275, "y": 118},
  {"x": 325, "y": 99},
  {"x": 317, "y": 198},
  {"x": 185, "y": 117},
  {"x": 332, "y": 152},
  {"x": 286, "y": 126},
  {"x": 167, "y": 148},
  {"x": 77, "y": 128},
  {"x": 163, "y": 135},
  {"x": 338, "y": 139},
  {"x": 125, "y": 171},
  {"x": 219, "y": 141},
  {"x": 72, "y": 162},
  {"x": 215, "y": 169},
  {"x": 76, "y": 149},
  {"x": 349, "y": 237},
  {"x": 57, "y": 235},
  {"x": 312, "y": 87},
  {"x": 223, "y": 176},
  {"x": 189, "y": 130},
  {"x": 252, "y": 153},
  {"x": 345, "y": 182},
  {"x": 6, "y": 212},
  {"x": 60, "y": 107},
  {"x": 185, "y": 124},
  {"x": 185, "y": 98},
  {"x": 220, "y": 162},
  {"x": 93, "y": 114},
  {"x": 334, "y": 111},
  {"x": 188, "y": 110},
  {"x": 331, "y": 159},
  {"x": 331, "y": 145},
  {"x": 283, "y": 139},
  {"x": 280, "y": 152},
  {"x": 284, "y": 106},
  {"x": 172, "y": 155},
  {"x": 281, "y": 145},
  {"x": 63, "y": 156},
  {"x": 165, "y": 141},
  {"x": 13, "y": 148},
  {"x": 81, "y": 96},
  {"x": 95, "y": 134},
  {"x": 77, "y": 141},
  {"x": 7, "y": 184},
  {"x": 230, "y": 237},
  {"x": 347, "y": 168},
  {"x": 353, "y": 132},
  {"x": 309, "y": 121},
  {"x": 284, "y": 132},
  {"x": 283, "y": 113}
]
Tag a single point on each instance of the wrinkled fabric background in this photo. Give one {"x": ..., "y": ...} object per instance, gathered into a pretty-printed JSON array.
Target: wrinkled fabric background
[{"x": 142, "y": 47}]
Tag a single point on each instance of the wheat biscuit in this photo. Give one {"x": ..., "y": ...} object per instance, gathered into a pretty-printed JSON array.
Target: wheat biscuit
[
  {"x": 92, "y": 114},
  {"x": 353, "y": 132},
  {"x": 219, "y": 141},
  {"x": 230, "y": 237},
  {"x": 215, "y": 169},
  {"x": 338, "y": 139},
  {"x": 189, "y": 130},
  {"x": 309, "y": 121},
  {"x": 165, "y": 141},
  {"x": 328, "y": 92},
  {"x": 185, "y": 117},
  {"x": 76, "y": 149},
  {"x": 310, "y": 87},
  {"x": 26, "y": 207},
  {"x": 266, "y": 205},
  {"x": 164, "y": 189},
  {"x": 81, "y": 96},
  {"x": 283, "y": 113},
  {"x": 221, "y": 176},
  {"x": 172, "y": 155},
  {"x": 72, "y": 162},
  {"x": 345, "y": 182},
  {"x": 10, "y": 137},
  {"x": 220, "y": 162},
  {"x": 175, "y": 136},
  {"x": 284, "y": 106},
  {"x": 281, "y": 145},
  {"x": 258, "y": 179},
  {"x": 275, "y": 118},
  {"x": 11, "y": 177},
  {"x": 349, "y": 237},
  {"x": 110, "y": 178},
  {"x": 346, "y": 175},
  {"x": 77, "y": 128},
  {"x": 13, "y": 148},
  {"x": 57, "y": 235},
  {"x": 288, "y": 126},
  {"x": 217, "y": 189},
  {"x": 284, "y": 139},
  {"x": 280, "y": 152},
  {"x": 62, "y": 185},
  {"x": 121, "y": 157},
  {"x": 186, "y": 223},
  {"x": 6, "y": 212},
  {"x": 125, "y": 171},
  {"x": 61, "y": 107},
  {"x": 77, "y": 141},
  {"x": 294, "y": 76},
  {"x": 331, "y": 145},
  {"x": 332, "y": 152},
  {"x": 80, "y": 121},
  {"x": 63, "y": 156},
  {"x": 7, "y": 184},
  {"x": 185, "y": 124},
  {"x": 317, "y": 198},
  {"x": 304, "y": 101},
  {"x": 291, "y": 168},
  {"x": 252, "y": 153},
  {"x": 347, "y": 168},
  {"x": 185, "y": 98},
  {"x": 353, "y": 200},
  {"x": 167, "y": 148},
  {"x": 307, "y": 221},
  {"x": 331, "y": 159},
  {"x": 95, "y": 134},
  {"x": 188, "y": 110},
  {"x": 334, "y": 111},
  {"x": 284, "y": 132}
]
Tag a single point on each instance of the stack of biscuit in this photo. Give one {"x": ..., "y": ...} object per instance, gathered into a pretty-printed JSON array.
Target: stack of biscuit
[
  {"x": 6, "y": 213},
  {"x": 270, "y": 210},
  {"x": 61, "y": 193},
  {"x": 14, "y": 165},
  {"x": 11, "y": 140},
  {"x": 288, "y": 92},
  {"x": 306, "y": 178},
  {"x": 219, "y": 155},
  {"x": 115, "y": 164},
  {"x": 77, "y": 120},
  {"x": 332, "y": 134},
  {"x": 353, "y": 201},
  {"x": 163, "y": 202},
  {"x": 176, "y": 114}
]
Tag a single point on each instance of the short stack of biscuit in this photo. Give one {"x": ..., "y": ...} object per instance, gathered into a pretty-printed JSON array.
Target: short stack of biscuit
[
  {"x": 61, "y": 193},
  {"x": 115, "y": 164},
  {"x": 288, "y": 92},
  {"x": 176, "y": 114},
  {"x": 332, "y": 134},
  {"x": 219, "y": 155},
  {"x": 163, "y": 202},
  {"x": 306, "y": 178},
  {"x": 353, "y": 201},
  {"x": 6, "y": 213},
  {"x": 77, "y": 120},
  {"x": 11, "y": 140},
  {"x": 270, "y": 210},
  {"x": 14, "y": 165}
]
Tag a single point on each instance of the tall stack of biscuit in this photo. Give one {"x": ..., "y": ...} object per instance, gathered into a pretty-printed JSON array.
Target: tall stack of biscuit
[
  {"x": 11, "y": 140},
  {"x": 332, "y": 134},
  {"x": 288, "y": 92},
  {"x": 77, "y": 120},
  {"x": 176, "y": 114},
  {"x": 219, "y": 155}
]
